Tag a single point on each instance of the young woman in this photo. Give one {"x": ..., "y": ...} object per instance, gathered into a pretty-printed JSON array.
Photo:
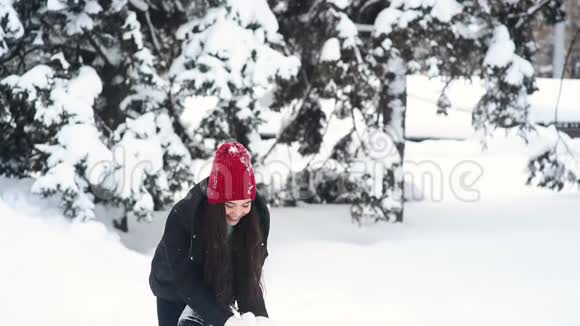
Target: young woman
[{"x": 210, "y": 257}]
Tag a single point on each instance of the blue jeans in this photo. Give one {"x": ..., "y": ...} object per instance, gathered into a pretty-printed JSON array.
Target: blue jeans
[{"x": 171, "y": 313}]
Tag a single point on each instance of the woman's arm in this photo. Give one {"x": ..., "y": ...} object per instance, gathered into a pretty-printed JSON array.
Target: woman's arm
[
  {"x": 260, "y": 309},
  {"x": 188, "y": 282}
]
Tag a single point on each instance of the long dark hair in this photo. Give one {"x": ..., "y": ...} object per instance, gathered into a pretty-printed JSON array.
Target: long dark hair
[{"x": 233, "y": 267}]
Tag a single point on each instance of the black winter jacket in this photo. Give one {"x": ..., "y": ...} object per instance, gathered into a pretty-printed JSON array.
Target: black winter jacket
[{"x": 177, "y": 266}]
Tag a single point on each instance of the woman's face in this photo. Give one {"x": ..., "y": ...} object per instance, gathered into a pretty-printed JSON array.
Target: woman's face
[{"x": 237, "y": 209}]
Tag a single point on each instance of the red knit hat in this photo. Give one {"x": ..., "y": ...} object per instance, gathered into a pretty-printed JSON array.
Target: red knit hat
[{"x": 232, "y": 175}]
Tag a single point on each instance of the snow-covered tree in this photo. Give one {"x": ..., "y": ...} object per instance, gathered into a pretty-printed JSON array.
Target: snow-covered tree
[
  {"x": 59, "y": 108},
  {"x": 154, "y": 162},
  {"x": 553, "y": 162},
  {"x": 122, "y": 106},
  {"x": 10, "y": 26},
  {"x": 149, "y": 59},
  {"x": 450, "y": 39},
  {"x": 234, "y": 54},
  {"x": 338, "y": 82},
  {"x": 154, "y": 85}
]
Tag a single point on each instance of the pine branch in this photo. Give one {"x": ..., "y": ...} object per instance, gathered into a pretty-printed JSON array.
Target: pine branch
[
  {"x": 309, "y": 89},
  {"x": 367, "y": 4},
  {"x": 362, "y": 144},
  {"x": 323, "y": 136},
  {"x": 530, "y": 12},
  {"x": 277, "y": 141},
  {"x": 177, "y": 126},
  {"x": 312, "y": 11},
  {"x": 97, "y": 47},
  {"x": 152, "y": 32},
  {"x": 13, "y": 53}
]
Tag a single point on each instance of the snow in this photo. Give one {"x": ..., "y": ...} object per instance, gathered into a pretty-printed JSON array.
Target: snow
[
  {"x": 226, "y": 49},
  {"x": 142, "y": 127},
  {"x": 544, "y": 101},
  {"x": 248, "y": 319},
  {"x": 444, "y": 10},
  {"x": 118, "y": 5},
  {"x": 501, "y": 49},
  {"x": 565, "y": 148},
  {"x": 255, "y": 11},
  {"x": 270, "y": 63},
  {"x": 11, "y": 25},
  {"x": 196, "y": 108},
  {"x": 77, "y": 21},
  {"x": 77, "y": 24},
  {"x": 133, "y": 26},
  {"x": 78, "y": 273},
  {"x": 490, "y": 245},
  {"x": 144, "y": 203},
  {"x": 73, "y": 98},
  {"x": 290, "y": 68},
  {"x": 76, "y": 144},
  {"x": 55, "y": 5},
  {"x": 92, "y": 7},
  {"x": 225, "y": 57},
  {"x": 340, "y": 4},
  {"x": 37, "y": 77},
  {"x": 346, "y": 28},
  {"x": 139, "y": 154},
  {"x": 423, "y": 121},
  {"x": 518, "y": 70},
  {"x": 401, "y": 12},
  {"x": 86, "y": 85},
  {"x": 330, "y": 50},
  {"x": 60, "y": 57},
  {"x": 170, "y": 141},
  {"x": 140, "y": 4},
  {"x": 386, "y": 20},
  {"x": 229, "y": 41}
]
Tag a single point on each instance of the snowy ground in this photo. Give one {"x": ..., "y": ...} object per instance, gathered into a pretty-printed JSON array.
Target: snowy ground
[{"x": 494, "y": 253}]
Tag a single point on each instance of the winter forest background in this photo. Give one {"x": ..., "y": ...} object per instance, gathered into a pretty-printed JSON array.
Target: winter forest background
[{"x": 110, "y": 110}]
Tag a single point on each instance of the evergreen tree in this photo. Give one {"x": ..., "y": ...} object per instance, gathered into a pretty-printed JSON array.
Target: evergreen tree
[
  {"x": 52, "y": 47},
  {"x": 97, "y": 96},
  {"x": 233, "y": 53},
  {"x": 55, "y": 126},
  {"x": 147, "y": 60},
  {"x": 450, "y": 39}
]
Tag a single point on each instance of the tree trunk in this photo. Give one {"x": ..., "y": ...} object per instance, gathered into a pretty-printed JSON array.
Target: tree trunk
[
  {"x": 559, "y": 51},
  {"x": 394, "y": 104}
]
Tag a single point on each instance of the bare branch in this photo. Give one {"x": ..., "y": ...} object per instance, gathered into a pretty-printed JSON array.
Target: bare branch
[
  {"x": 97, "y": 47},
  {"x": 530, "y": 12},
  {"x": 568, "y": 54},
  {"x": 308, "y": 91},
  {"x": 152, "y": 32},
  {"x": 263, "y": 159}
]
